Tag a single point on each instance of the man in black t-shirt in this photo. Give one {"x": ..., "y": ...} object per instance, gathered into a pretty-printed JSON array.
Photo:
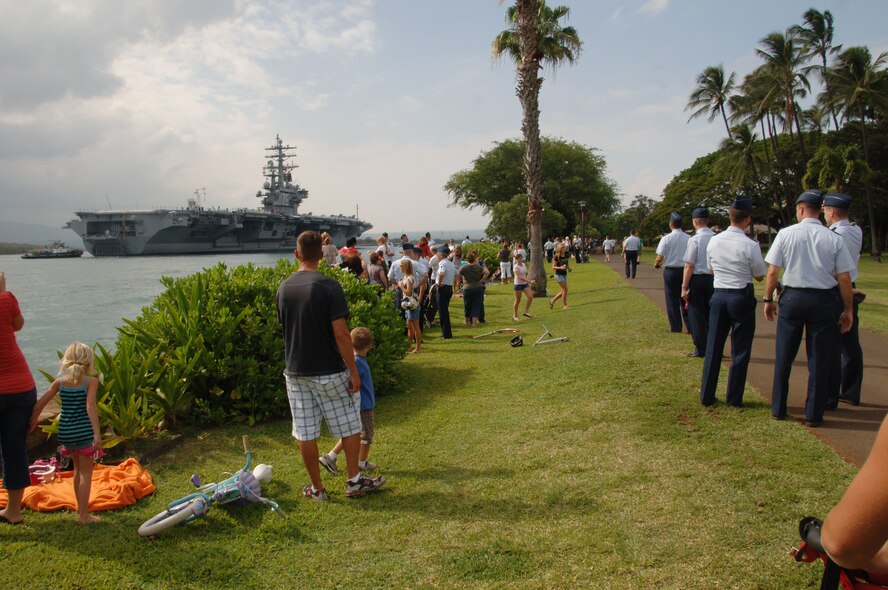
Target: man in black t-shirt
[{"x": 321, "y": 375}]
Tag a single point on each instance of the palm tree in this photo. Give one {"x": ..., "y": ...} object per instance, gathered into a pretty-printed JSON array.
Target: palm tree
[
  {"x": 712, "y": 93},
  {"x": 816, "y": 37},
  {"x": 535, "y": 38},
  {"x": 860, "y": 87},
  {"x": 783, "y": 66}
]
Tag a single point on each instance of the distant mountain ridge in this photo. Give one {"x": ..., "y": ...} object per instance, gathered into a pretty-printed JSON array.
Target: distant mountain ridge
[{"x": 14, "y": 232}]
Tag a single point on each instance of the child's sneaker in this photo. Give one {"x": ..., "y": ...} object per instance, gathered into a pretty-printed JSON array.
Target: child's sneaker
[
  {"x": 329, "y": 463},
  {"x": 363, "y": 486},
  {"x": 316, "y": 495},
  {"x": 368, "y": 466}
]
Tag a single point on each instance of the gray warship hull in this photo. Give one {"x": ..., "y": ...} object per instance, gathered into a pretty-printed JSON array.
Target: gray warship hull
[
  {"x": 163, "y": 232},
  {"x": 198, "y": 230}
]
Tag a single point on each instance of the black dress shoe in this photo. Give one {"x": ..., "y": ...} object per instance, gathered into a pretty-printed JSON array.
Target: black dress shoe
[
  {"x": 813, "y": 423},
  {"x": 783, "y": 417},
  {"x": 694, "y": 355},
  {"x": 849, "y": 401}
]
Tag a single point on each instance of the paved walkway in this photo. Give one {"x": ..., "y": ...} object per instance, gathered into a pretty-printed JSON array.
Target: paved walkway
[{"x": 850, "y": 430}]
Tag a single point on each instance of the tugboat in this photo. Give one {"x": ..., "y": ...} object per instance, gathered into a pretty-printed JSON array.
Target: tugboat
[
  {"x": 55, "y": 250},
  {"x": 195, "y": 229}
]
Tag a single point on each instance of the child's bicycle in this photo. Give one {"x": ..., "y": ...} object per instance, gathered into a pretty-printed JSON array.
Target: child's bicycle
[
  {"x": 834, "y": 576},
  {"x": 240, "y": 487}
]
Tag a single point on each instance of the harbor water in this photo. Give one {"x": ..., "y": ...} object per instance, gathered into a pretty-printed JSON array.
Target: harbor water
[{"x": 85, "y": 299}]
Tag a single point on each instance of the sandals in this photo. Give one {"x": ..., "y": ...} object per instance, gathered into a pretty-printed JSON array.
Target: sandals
[{"x": 527, "y": 315}]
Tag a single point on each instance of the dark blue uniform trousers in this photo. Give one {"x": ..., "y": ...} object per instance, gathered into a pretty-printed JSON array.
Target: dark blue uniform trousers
[
  {"x": 443, "y": 294},
  {"x": 846, "y": 374},
  {"x": 730, "y": 310},
  {"x": 631, "y": 262},
  {"x": 816, "y": 311},
  {"x": 672, "y": 278},
  {"x": 701, "y": 291}
]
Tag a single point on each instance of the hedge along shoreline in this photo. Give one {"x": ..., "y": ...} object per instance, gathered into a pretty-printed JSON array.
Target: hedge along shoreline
[{"x": 209, "y": 350}]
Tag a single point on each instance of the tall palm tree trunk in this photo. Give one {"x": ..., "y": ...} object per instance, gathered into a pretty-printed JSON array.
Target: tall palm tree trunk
[
  {"x": 874, "y": 235},
  {"x": 529, "y": 84}
]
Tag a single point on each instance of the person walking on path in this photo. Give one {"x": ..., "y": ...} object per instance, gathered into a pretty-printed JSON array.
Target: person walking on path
[
  {"x": 670, "y": 254},
  {"x": 445, "y": 276},
  {"x": 608, "y": 246},
  {"x": 816, "y": 295},
  {"x": 735, "y": 260},
  {"x": 320, "y": 371},
  {"x": 631, "y": 253},
  {"x": 697, "y": 282},
  {"x": 522, "y": 285},
  {"x": 846, "y": 375},
  {"x": 18, "y": 394}
]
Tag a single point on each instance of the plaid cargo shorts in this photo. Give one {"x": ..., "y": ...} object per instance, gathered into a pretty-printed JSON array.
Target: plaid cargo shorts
[{"x": 323, "y": 395}]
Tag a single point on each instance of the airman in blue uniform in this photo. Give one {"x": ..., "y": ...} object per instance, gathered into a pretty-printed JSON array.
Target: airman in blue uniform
[
  {"x": 670, "y": 255},
  {"x": 735, "y": 260},
  {"x": 846, "y": 375},
  {"x": 816, "y": 296},
  {"x": 697, "y": 282}
]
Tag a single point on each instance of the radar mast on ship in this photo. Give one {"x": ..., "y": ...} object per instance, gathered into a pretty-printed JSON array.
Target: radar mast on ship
[{"x": 279, "y": 194}]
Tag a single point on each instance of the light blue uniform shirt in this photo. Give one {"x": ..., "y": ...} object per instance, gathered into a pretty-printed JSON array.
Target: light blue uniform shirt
[
  {"x": 852, "y": 235},
  {"x": 734, "y": 259},
  {"x": 446, "y": 272},
  {"x": 672, "y": 248},
  {"x": 631, "y": 243},
  {"x": 695, "y": 253},
  {"x": 810, "y": 255}
]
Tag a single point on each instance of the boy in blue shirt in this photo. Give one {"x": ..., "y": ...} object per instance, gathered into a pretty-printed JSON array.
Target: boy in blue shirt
[{"x": 362, "y": 341}]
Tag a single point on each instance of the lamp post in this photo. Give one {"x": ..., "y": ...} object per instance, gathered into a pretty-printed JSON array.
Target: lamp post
[{"x": 582, "y": 205}]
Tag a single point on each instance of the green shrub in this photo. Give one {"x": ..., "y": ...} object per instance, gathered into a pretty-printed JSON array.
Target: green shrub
[
  {"x": 486, "y": 251},
  {"x": 219, "y": 348}
]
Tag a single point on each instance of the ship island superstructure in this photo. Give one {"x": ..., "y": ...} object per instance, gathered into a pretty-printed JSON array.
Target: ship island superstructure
[{"x": 195, "y": 229}]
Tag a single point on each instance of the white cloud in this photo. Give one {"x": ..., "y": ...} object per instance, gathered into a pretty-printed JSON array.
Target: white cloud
[{"x": 654, "y": 6}]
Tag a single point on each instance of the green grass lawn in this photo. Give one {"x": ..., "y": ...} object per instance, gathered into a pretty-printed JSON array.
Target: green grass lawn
[
  {"x": 582, "y": 464},
  {"x": 873, "y": 281}
]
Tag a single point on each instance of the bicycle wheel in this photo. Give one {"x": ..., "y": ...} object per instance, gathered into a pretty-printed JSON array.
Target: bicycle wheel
[{"x": 173, "y": 516}]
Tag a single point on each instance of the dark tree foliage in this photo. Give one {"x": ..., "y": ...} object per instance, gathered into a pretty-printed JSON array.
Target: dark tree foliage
[{"x": 572, "y": 173}]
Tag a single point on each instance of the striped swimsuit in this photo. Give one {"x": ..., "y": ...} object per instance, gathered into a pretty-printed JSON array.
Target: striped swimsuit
[{"x": 75, "y": 429}]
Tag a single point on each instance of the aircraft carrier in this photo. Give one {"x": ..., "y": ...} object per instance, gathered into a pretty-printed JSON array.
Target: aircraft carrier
[{"x": 195, "y": 229}]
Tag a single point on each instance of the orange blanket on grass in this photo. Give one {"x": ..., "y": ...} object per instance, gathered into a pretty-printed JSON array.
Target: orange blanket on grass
[{"x": 113, "y": 486}]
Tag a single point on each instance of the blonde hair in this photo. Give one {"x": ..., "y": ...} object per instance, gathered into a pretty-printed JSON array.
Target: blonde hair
[
  {"x": 76, "y": 362},
  {"x": 406, "y": 266},
  {"x": 362, "y": 338},
  {"x": 325, "y": 239}
]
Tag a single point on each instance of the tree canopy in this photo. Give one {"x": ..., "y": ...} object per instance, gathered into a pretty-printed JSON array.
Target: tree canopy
[{"x": 571, "y": 173}]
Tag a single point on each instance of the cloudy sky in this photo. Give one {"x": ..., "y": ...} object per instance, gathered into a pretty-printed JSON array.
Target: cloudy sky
[{"x": 139, "y": 103}]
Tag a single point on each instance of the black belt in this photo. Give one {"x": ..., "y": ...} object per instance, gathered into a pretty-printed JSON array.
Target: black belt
[
  {"x": 675, "y": 267},
  {"x": 812, "y": 289},
  {"x": 745, "y": 289}
]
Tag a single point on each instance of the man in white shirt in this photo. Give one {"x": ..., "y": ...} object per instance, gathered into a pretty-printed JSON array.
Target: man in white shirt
[
  {"x": 670, "y": 255},
  {"x": 631, "y": 253},
  {"x": 550, "y": 250},
  {"x": 608, "y": 246},
  {"x": 735, "y": 260},
  {"x": 445, "y": 276},
  {"x": 816, "y": 295},
  {"x": 466, "y": 242},
  {"x": 697, "y": 281},
  {"x": 846, "y": 375}
]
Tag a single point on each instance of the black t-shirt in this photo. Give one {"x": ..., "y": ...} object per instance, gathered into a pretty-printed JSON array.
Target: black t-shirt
[
  {"x": 307, "y": 304},
  {"x": 504, "y": 255}
]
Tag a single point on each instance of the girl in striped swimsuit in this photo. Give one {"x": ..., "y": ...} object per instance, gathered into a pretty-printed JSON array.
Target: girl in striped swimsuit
[{"x": 79, "y": 431}]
